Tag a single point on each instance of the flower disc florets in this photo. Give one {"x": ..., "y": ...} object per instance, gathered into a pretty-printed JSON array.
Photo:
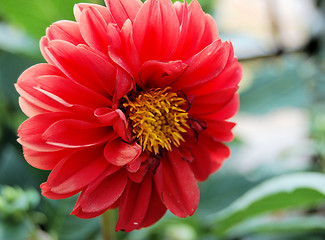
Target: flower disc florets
[{"x": 157, "y": 118}]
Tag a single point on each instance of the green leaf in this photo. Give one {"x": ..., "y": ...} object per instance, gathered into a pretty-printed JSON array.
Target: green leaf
[
  {"x": 220, "y": 190},
  {"x": 288, "y": 191},
  {"x": 293, "y": 225}
]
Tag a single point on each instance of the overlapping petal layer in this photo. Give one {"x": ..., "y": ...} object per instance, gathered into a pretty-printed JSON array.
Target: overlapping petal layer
[{"x": 80, "y": 126}]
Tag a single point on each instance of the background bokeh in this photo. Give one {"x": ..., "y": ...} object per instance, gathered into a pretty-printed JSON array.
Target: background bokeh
[{"x": 272, "y": 187}]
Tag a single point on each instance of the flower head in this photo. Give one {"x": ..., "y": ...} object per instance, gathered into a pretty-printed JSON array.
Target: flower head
[{"x": 130, "y": 108}]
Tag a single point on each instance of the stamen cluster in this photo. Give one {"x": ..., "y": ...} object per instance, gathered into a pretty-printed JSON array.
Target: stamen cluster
[{"x": 157, "y": 118}]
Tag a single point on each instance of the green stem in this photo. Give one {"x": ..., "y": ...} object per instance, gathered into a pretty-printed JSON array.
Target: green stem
[{"x": 108, "y": 225}]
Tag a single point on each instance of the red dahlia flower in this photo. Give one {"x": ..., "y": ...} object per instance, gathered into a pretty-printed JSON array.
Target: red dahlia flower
[{"x": 130, "y": 108}]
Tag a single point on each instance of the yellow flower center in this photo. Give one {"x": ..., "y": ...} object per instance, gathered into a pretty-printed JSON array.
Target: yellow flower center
[{"x": 157, "y": 118}]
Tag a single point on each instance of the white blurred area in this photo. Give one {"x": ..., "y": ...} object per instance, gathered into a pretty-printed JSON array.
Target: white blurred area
[
  {"x": 278, "y": 139},
  {"x": 263, "y": 27}
]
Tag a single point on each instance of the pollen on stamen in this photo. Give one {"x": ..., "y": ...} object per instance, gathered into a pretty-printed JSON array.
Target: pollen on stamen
[{"x": 157, "y": 118}]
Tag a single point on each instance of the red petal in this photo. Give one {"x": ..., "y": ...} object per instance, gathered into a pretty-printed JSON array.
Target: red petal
[
  {"x": 120, "y": 153},
  {"x": 130, "y": 51},
  {"x": 30, "y": 109},
  {"x": 201, "y": 165},
  {"x": 179, "y": 9},
  {"x": 31, "y": 131},
  {"x": 71, "y": 133},
  {"x": 44, "y": 43},
  {"x": 177, "y": 185},
  {"x": 52, "y": 195},
  {"x": 204, "y": 66},
  {"x": 161, "y": 74},
  {"x": 105, "y": 72},
  {"x": 83, "y": 66},
  {"x": 29, "y": 75},
  {"x": 198, "y": 29},
  {"x": 220, "y": 130},
  {"x": 218, "y": 151},
  {"x": 65, "y": 30},
  {"x": 115, "y": 118},
  {"x": 186, "y": 155},
  {"x": 213, "y": 102},
  {"x": 62, "y": 105},
  {"x": 156, "y": 209},
  {"x": 75, "y": 172},
  {"x": 123, "y": 10},
  {"x": 85, "y": 215},
  {"x": 209, "y": 155},
  {"x": 134, "y": 204},
  {"x": 210, "y": 32},
  {"x": 71, "y": 92},
  {"x": 134, "y": 165},
  {"x": 114, "y": 38},
  {"x": 228, "y": 78},
  {"x": 44, "y": 161},
  {"x": 124, "y": 84},
  {"x": 106, "y": 116},
  {"x": 226, "y": 112},
  {"x": 100, "y": 195},
  {"x": 192, "y": 29},
  {"x": 122, "y": 49},
  {"x": 96, "y": 52},
  {"x": 80, "y": 7},
  {"x": 156, "y": 30},
  {"x": 93, "y": 28},
  {"x": 35, "y": 100},
  {"x": 41, "y": 100},
  {"x": 120, "y": 126},
  {"x": 138, "y": 175}
]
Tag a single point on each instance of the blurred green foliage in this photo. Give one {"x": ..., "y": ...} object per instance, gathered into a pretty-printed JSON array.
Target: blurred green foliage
[
  {"x": 233, "y": 205},
  {"x": 17, "y": 216},
  {"x": 34, "y": 16},
  {"x": 280, "y": 193}
]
